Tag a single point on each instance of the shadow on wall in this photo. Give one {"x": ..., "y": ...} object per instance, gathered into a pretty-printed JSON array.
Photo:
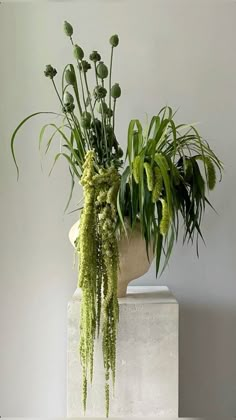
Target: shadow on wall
[{"x": 207, "y": 356}]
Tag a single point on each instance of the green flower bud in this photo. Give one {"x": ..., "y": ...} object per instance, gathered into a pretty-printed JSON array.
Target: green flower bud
[
  {"x": 50, "y": 71},
  {"x": 114, "y": 40},
  {"x": 85, "y": 119},
  {"x": 78, "y": 52},
  {"x": 84, "y": 66},
  {"x": 68, "y": 29},
  {"x": 99, "y": 92},
  {"x": 102, "y": 70},
  {"x": 115, "y": 91},
  {"x": 102, "y": 107},
  {"x": 70, "y": 77},
  {"x": 95, "y": 56},
  {"x": 68, "y": 98}
]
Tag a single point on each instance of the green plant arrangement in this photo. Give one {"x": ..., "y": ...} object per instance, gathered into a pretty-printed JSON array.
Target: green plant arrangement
[{"x": 163, "y": 183}]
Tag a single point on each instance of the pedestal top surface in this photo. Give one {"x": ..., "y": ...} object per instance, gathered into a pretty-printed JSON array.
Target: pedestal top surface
[
  {"x": 148, "y": 294},
  {"x": 142, "y": 295}
]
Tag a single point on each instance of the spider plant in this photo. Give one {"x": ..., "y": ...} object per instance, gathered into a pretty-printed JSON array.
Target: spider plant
[{"x": 170, "y": 169}]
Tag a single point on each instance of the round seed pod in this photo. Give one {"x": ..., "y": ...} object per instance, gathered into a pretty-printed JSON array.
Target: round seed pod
[
  {"x": 99, "y": 92},
  {"x": 116, "y": 91},
  {"x": 78, "y": 52},
  {"x": 68, "y": 29},
  {"x": 95, "y": 56},
  {"x": 68, "y": 98},
  {"x": 114, "y": 40},
  {"x": 85, "y": 119},
  {"x": 102, "y": 70},
  {"x": 70, "y": 77}
]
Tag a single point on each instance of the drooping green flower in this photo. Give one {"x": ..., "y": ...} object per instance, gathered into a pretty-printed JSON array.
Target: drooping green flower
[
  {"x": 149, "y": 175},
  {"x": 68, "y": 29},
  {"x": 211, "y": 173},
  {"x": 158, "y": 184},
  {"x": 135, "y": 169},
  {"x": 165, "y": 220},
  {"x": 99, "y": 262}
]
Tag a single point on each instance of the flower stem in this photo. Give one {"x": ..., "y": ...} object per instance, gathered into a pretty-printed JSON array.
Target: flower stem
[
  {"x": 104, "y": 123},
  {"x": 96, "y": 76},
  {"x": 111, "y": 60},
  {"x": 80, "y": 76},
  {"x": 114, "y": 109},
  {"x": 90, "y": 102},
  {"x": 58, "y": 95}
]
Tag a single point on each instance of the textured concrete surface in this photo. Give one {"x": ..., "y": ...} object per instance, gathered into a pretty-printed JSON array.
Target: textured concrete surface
[{"x": 147, "y": 358}]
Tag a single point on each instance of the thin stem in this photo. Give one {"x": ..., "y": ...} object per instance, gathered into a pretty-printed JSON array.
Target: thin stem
[
  {"x": 96, "y": 75},
  {"x": 90, "y": 102},
  {"x": 54, "y": 84},
  {"x": 77, "y": 98},
  {"x": 77, "y": 126},
  {"x": 104, "y": 122},
  {"x": 80, "y": 76},
  {"x": 58, "y": 95},
  {"x": 111, "y": 60},
  {"x": 114, "y": 109}
]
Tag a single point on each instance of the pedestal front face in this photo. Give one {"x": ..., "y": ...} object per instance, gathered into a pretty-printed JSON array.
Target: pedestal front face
[{"x": 147, "y": 358}]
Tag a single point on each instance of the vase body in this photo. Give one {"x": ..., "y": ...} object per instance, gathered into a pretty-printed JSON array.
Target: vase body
[{"x": 134, "y": 261}]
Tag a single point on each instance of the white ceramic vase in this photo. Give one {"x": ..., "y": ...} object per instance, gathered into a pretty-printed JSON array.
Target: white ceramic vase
[{"x": 134, "y": 262}]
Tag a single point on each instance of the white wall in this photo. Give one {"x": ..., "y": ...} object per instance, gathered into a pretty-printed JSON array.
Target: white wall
[{"x": 176, "y": 52}]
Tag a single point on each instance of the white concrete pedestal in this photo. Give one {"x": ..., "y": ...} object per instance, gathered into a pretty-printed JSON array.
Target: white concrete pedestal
[{"x": 147, "y": 358}]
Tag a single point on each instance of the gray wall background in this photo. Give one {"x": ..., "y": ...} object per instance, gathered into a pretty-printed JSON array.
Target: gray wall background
[{"x": 180, "y": 53}]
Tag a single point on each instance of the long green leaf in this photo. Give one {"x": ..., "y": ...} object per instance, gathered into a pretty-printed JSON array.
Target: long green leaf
[{"x": 16, "y": 131}]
